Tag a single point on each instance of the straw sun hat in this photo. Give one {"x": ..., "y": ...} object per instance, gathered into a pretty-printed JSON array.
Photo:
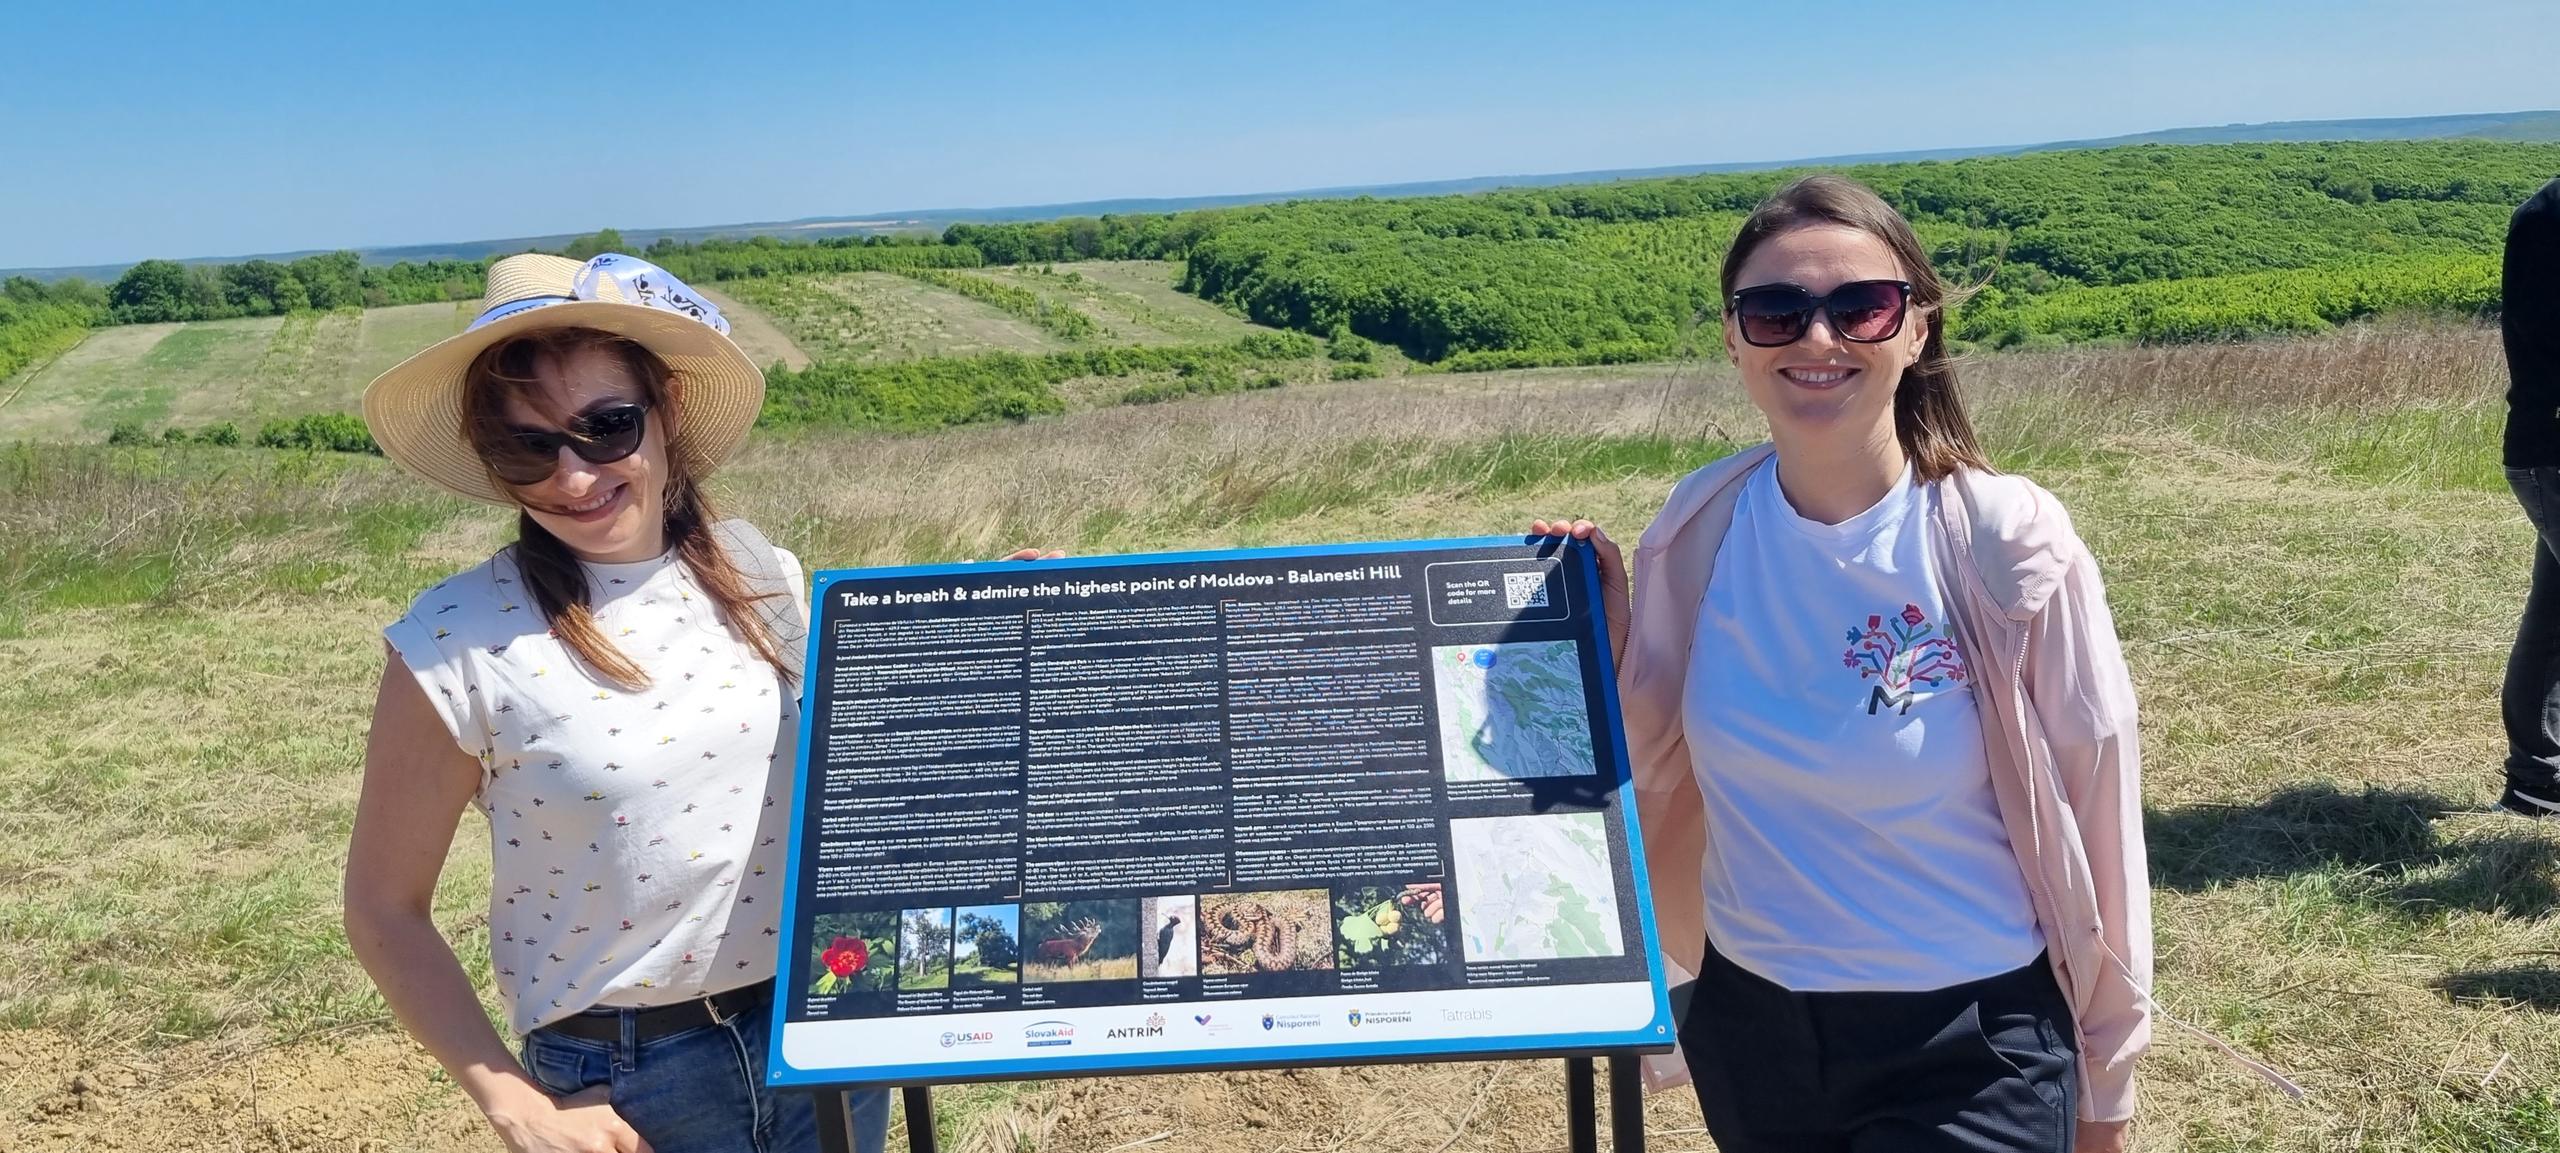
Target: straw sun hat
[{"x": 415, "y": 410}]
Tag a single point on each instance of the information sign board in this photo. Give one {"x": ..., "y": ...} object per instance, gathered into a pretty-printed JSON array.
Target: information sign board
[{"x": 1205, "y": 810}]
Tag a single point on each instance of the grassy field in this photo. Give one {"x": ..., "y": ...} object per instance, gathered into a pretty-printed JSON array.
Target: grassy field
[
  {"x": 2312, "y": 558},
  {"x": 243, "y": 371},
  {"x": 1132, "y": 301},
  {"x": 880, "y": 316}
]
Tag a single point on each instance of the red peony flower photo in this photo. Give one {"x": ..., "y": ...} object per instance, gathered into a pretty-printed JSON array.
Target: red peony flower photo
[{"x": 845, "y": 956}]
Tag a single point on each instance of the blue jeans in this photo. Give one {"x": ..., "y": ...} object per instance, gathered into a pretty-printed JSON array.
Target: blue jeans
[{"x": 699, "y": 1091}]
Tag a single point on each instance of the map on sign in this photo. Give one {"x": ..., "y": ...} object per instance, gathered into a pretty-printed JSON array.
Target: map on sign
[
  {"x": 1512, "y": 711},
  {"x": 1537, "y": 888}
]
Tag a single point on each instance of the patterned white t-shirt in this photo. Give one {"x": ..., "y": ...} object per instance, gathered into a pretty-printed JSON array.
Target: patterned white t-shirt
[
  {"x": 636, "y": 837},
  {"x": 1833, "y": 729}
]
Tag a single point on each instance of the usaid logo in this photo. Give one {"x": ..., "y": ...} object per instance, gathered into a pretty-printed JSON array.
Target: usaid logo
[
  {"x": 951, "y": 1039},
  {"x": 1048, "y": 1035}
]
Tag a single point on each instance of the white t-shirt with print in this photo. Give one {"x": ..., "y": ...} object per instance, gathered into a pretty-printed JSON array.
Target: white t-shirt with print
[
  {"x": 637, "y": 837},
  {"x": 1831, "y": 723}
]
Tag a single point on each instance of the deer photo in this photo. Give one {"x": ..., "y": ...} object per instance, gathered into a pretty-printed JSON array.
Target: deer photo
[{"x": 1069, "y": 949}]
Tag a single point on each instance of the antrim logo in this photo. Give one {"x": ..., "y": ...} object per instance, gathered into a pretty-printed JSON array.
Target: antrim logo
[
  {"x": 951, "y": 1039},
  {"x": 1153, "y": 1028},
  {"x": 1048, "y": 1034}
]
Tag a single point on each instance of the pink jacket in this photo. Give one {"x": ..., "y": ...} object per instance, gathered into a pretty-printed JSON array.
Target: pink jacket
[{"x": 2058, "y": 727}]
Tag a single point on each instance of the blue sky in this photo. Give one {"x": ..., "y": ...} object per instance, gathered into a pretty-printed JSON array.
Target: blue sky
[{"x": 199, "y": 130}]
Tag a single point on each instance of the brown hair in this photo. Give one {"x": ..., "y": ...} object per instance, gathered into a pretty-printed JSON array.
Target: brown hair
[
  {"x": 1928, "y": 415},
  {"x": 510, "y": 369}
]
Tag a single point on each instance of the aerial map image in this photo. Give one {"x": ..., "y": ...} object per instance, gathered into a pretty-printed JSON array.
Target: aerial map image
[
  {"x": 1511, "y": 712},
  {"x": 1535, "y": 888}
]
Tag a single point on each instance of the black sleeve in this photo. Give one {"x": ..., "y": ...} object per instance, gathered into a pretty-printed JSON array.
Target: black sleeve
[
  {"x": 2529, "y": 324},
  {"x": 2531, "y": 281}
]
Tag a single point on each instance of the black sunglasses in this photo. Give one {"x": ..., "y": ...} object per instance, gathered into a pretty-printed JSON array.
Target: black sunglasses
[
  {"x": 1861, "y": 311},
  {"x": 530, "y": 456}
]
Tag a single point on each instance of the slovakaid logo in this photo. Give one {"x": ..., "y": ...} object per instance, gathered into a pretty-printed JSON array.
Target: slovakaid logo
[
  {"x": 950, "y": 1040},
  {"x": 1048, "y": 1035}
]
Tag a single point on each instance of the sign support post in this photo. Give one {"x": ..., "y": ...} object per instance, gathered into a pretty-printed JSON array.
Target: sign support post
[{"x": 1581, "y": 1111}]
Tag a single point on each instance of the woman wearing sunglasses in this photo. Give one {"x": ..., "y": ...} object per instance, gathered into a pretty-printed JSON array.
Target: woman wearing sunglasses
[
  {"x": 615, "y": 692},
  {"x": 1883, "y": 738}
]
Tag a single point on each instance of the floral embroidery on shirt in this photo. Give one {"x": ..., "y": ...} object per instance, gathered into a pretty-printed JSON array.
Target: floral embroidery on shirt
[{"x": 1903, "y": 653}]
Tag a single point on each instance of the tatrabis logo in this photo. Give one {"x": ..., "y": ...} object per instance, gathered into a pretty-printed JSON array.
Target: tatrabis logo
[
  {"x": 1153, "y": 1028},
  {"x": 1048, "y": 1034}
]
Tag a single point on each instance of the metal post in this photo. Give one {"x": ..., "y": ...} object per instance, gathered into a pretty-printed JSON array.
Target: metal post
[
  {"x": 1581, "y": 1107},
  {"x": 835, "y": 1121},
  {"x": 1626, "y": 1104},
  {"x": 919, "y": 1102}
]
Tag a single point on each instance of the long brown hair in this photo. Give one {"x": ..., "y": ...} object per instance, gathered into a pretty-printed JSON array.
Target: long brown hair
[
  {"x": 509, "y": 369},
  {"x": 1928, "y": 414}
]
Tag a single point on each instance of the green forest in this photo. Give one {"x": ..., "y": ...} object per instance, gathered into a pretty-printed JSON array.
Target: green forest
[{"x": 2143, "y": 243}]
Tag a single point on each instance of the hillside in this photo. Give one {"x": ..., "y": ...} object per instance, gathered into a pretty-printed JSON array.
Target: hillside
[
  {"x": 2509, "y": 126},
  {"x": 2144, "y": 244}
]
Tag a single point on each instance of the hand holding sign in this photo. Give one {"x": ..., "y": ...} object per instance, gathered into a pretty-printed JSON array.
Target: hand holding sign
[{"x": 1613, "y": 569}]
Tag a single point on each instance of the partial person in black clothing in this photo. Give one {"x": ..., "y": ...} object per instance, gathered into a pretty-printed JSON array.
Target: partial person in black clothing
[{"x": 2530, "y": 324}]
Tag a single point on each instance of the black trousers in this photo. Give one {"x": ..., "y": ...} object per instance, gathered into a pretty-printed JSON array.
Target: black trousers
[
  {"x": 2530, "y": 701},
  {"x": 1987, "y": 1067}
]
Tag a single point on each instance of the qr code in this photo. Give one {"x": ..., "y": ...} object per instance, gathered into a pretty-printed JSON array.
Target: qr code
[{"x": 1524, "y": 590}]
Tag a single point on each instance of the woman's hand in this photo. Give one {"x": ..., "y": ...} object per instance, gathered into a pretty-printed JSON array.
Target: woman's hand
[
  {"x": 582, "y": 1122},
  {"x": 1036, "y": 554},
  {"x": 2103, "y": 1137},
  {"x": 1613, "y": 568}
]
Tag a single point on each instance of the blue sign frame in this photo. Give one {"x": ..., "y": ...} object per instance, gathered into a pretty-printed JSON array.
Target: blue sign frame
[{"x": 1656, "y": 1035}]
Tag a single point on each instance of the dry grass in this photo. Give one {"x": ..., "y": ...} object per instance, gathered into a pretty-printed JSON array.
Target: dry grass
[{"x": 2309, "y": 553}]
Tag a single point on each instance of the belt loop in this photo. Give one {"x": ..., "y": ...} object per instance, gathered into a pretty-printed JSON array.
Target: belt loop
[{"x": 626, "y": 1056}]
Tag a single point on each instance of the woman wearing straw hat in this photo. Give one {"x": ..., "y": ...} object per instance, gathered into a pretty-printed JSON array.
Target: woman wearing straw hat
[{"x": 615, "y": 692}]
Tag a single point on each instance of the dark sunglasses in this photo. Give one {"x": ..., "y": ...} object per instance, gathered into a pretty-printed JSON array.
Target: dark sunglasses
[
  {"x": 1862, "y": 311},
  {"x": 529, "y": 456}
]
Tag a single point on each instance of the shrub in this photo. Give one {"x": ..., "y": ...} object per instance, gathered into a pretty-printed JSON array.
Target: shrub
[{"x": 323, "y": 431}]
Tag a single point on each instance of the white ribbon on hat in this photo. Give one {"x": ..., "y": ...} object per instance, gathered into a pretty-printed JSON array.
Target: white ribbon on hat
[{"x": 640, "y": 282}]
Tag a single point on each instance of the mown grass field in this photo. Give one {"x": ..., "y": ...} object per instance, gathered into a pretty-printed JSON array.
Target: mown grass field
[
  {"x": 195, "y": 374},
  {"x": 2313, "y": 562},
  {"x": 876, "y": 317}
]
